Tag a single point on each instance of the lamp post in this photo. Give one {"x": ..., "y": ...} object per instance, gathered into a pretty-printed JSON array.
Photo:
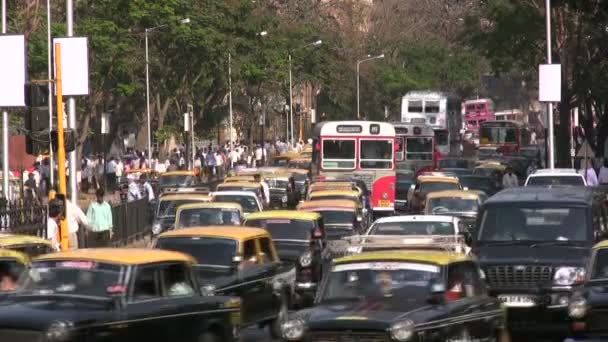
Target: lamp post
[
  {"x": 359, "y": 62},
  {"x": 147, "y": 32},
  {"x": 549, "y": 139},
  {"x": 316, "y": 43}
]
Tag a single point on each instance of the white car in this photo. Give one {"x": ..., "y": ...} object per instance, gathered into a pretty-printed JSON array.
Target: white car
[
  {"x": 247, "y": 199},
  {"x": 547, "y": 177}
]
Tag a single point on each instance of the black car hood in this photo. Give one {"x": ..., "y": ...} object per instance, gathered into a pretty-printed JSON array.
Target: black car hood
[
  {"x": 290, "y": 251},
  {"x": 39, "y": 312},
  {"x": 338, "y": 231},
  {"x": 219, "y": 277},
  {"x": 524, "y": 254},
  {"x": 368, "y": 314}
]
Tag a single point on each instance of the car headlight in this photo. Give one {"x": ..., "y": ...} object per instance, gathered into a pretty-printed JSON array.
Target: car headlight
[
  {"x": 157, "y": 228},
  {"x": 59, "y": 331},
  {"x": 402, "y": 331},
  {"x": 208, "y": 290},
  {"x": 284, "y": 199},
  {"x": 566, "y": 276},
  {"x": 577, "y": 308},
  {"x": 306, "y": 259},
  {"x": 293, "y": 330}
]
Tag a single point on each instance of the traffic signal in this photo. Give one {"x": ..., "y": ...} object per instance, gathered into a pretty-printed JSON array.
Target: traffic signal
[{"x": 37, "y": 119}]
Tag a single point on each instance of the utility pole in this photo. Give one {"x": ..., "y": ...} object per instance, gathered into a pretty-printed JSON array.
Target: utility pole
[
  {"x": 5, "y": 150},
  {"x": 72, "y": 114},
  {"x": 50, "y": 97},
  {"x": 230, "y": 98},
  {"x": 64, "y": 234},
  {"x": 290, "y": 103},
  {"x": 549, "y": 137}
]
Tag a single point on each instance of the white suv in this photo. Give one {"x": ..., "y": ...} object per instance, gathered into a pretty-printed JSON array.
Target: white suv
[{"x": 547, "y": 177}]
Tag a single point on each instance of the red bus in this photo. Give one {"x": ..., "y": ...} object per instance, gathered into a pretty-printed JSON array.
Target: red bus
[
  {"x": 363, "y": 150},
  {"x": 505, "y": 136},
  {"x": 477, "y": 112}
]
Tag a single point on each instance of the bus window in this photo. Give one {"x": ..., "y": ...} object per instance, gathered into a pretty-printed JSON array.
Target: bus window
[
  {"x": 338, "y": 154},
  {"x": 376, "y": 154},
  {"x": 431, "y": 107},
  {"x": 414, "y": 106},
  {"x": 419, "y": 148},
  {"x": 441, "y": 138}
]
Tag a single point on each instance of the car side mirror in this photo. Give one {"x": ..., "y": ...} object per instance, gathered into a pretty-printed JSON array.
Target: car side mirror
[{"x": 436, "y": 292}]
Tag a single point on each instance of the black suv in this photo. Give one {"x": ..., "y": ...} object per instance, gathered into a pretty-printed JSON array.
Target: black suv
[{"x": 533, "y": 245}]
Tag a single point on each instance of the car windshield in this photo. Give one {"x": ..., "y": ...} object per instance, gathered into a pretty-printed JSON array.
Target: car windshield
[
  {"x": 206, "y": 250},
  {"x": 74, "y": 277},
  {"x": 379, "y": 279},
  {"x": 168, "y": 208},
  {"x": 337, "y": 216},
  {"x": 277, "y": 183},
  {"x": 600, "y": 264},
  {"x": 452, "y": 204},
  {"x": 412, "y": 228},
  {"x": 208, "y": 217},
  {"x": 177, "y": 180},
  {"x": 427, "y": 187},
  {"x": 556, "y": 180},
  {"x": 284, "y": 229},
  {"x": 248, "y": 203},
  {"x": 534, "y": 223}
]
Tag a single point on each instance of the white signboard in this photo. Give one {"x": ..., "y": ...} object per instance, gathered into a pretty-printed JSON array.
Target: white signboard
[
  {"x": 74, "y": 65},
  {"x": 550, "y": 83},
  {"x": 13, "y": 70}
]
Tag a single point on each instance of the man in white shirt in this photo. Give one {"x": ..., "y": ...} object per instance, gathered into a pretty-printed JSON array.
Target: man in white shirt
[
  {"x": 265, "y": 187},
  {"x": 602, "y": 178},
  {"x": 134, "y": 191},
  {"x": 148, "y": 191},
  {"x": 76, "y": 218},
  {"x": 259, "y": 154},
  {"x": 52, "y": 223},
  {"x": 111, "y": 174},
  {"x": 234, "y": 157},
  {"x": 588, "y": 172},
  {"x": 509, "y": 180}
]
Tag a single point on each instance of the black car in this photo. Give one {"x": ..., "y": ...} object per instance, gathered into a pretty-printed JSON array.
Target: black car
[
  {"x": 400, "y": 296},
  {"x": 404, "y": 183},
  {"x": 533, "y": 245},
  {"x": 116, "y": 295},
  {"x": 489, "y": 185}
]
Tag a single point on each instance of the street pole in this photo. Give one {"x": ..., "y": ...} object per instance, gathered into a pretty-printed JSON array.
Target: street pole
[
  {"x": 148, "y": 97},
  {"x": 358, "y": 94},
  {"x": 50, "y": 96},
  {"x": 550, "y": 137},
  {"x": 5, "y": 151},
  {"x": 230, "y": 99},
  {"x": 71, "y": 112},
  {"x": 290, "y": 103},
  {"x": 64, "y": 235}
]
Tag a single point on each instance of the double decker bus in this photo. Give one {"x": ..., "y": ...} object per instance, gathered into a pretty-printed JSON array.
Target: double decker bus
[
  {"x": 438, "y": 110},
  {"x": 476, "y": 112},
  {"x": 415, "y": 146},
  {"x": 361, "y": 150},
  {"x": 505, "y": 136}
]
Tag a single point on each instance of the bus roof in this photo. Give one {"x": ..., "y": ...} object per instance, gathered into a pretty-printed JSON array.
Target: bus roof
[
  {"x": 477, "y": 101},
  {"x": 350, "y": 128},
  {"x": 409, "y": 129},
  {"x": 501, "y": 123},
  {"x": 426, "y": 94}
]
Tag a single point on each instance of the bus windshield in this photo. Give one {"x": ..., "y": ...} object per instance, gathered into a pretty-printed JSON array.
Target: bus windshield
[
  {"x": 339, "y": 153},
  {"x": 498, "y": 135},
  {"x": 376, "y": 154},
  {"x": 419, "y": 148}
]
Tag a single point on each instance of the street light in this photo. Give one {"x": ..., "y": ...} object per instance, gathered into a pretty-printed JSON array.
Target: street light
[
  {"x": 316, "y": 43},
  {"x": 359, "y": 62},
  {"x": 184, "y": 21}
]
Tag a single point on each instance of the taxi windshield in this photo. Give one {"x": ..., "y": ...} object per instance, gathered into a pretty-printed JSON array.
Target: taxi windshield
[
  {"x": 84, "y": 278},
  {"x": 427, "y": 187},
  {"x": 177, "y": 180},
  {"x": 337, "y": 217},
  {"x": 248, "y": 203},
  {"x": 285, "y": 229},
  {"x": 209, "y": 217},
  {"x": 412, "y": 228},
  {"x": 206, "y": 250},
  {"x": 379, "y": 279},
  {"x": 529, "y": 223},
  {"x": 452, "y": 204}
]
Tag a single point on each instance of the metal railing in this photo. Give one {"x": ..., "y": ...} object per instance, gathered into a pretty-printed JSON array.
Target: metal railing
[
  {"x": 132, "y": 221},
  {"x": 23, "y": 216}
]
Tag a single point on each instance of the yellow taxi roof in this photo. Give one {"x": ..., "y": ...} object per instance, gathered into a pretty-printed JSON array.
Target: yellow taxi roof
[
  {"x": 349, "y": 193},
  {"x": 602, "y": 244},
  {"x": 242, "y": 178},
  {"x": 7, "y": 240},
  {"x": 240, "y": 184},
  {"x": 121, "y": 256},
  {"x": 442, "y": 258},
  {"x": 178, "y": 173},
  {"x": 320, "y": 204},
  {"x": 14, "y": 255},
  {"x": 441, "y": 179},
  {"x": 229, "y": 232},
  {"x": 300, "y": 171},
  {"x": 284, "y": 214},
  {"x": 185, "y": 196},
  {"x": 453, "y": 193},
  {"x": 212, "y": 205},
  {"x": 492, "y": 165}
]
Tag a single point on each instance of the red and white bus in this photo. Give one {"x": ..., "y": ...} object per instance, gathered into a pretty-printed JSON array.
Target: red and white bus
[
  {"x": 477, "y": 112},
  {"x": 415, "y": 146},
  {"x": 506, "y": 137},
  {"x": 363, "y": 150}
]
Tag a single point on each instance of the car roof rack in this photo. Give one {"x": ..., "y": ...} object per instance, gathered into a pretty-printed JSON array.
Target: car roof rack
[{"x": 449, "y": 243}]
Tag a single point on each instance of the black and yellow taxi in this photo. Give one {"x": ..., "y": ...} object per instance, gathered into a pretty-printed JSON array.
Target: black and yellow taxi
[
  {"x": 300, "y": 239},
  {"x": 460, "y": 203},
  {"x": 241, "y": 262},
  {"x": 427, "y": 184},
  {"x": 116, "y": 295},
  {"x": 12, "y": 266},
  {"x": 302, "y": 181},
  {"x": 243, "y": 186},
  {"x": 166, "y": 209},
  {"x": 400, "y": 295},
  {"x": 282, "y": 188},
  {"x": 340, "y": 217},
  {"x": 181, "y": 181},
  {"x": 29, "y": 245},
  {"x": 208, "y": 214},
  {"x": 300, "y": 163}
]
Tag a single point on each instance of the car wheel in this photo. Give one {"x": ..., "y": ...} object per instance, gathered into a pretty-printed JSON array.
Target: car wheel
[
  {"x": 208, "y": 337},
  {"x": 274, "y": 327}
]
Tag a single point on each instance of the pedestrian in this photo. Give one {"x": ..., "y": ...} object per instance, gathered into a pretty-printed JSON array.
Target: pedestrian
[
  {"x": 134, "y": 190},
  {"x": 31, "y": 187},
  {"x": 53, "y": 222},
  {"x": 99, "y": 173},
  {"x": 111, "y": 175},
  {"x": 259, "y": 155},
  {"x": 46, "y": 174},
  {"x": 602, "y": 178},
  {"x": 258, "y": 179},
  {"x": 509, "y": 179},
  {"x": 172, "y": 165},
  {"x": 588, "y": 172},
  {"x": 219, "y": 163},
  {"x": 99, "y": 215},
  {"x": 148, "y": 191},
  {"x": 76, "y": 219},
  {"x": 234, "y": 158},
  {"x": 210, "y": 161}
]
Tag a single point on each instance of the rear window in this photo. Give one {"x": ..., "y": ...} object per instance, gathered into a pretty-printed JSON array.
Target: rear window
[
  {"x": 248, "y": 203},
  {"x": 284, "y": 229},
  {"x": 206, "y": 251},
  {"x": 427, "y": 187},
  {"x": 556, "y": 180},
  {"x": 412, "y": 228}
]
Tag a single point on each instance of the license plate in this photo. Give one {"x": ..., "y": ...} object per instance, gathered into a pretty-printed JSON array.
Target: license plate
[
  {"x": 385, "y": 203},
  {"x": 517, "y": 301}
]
